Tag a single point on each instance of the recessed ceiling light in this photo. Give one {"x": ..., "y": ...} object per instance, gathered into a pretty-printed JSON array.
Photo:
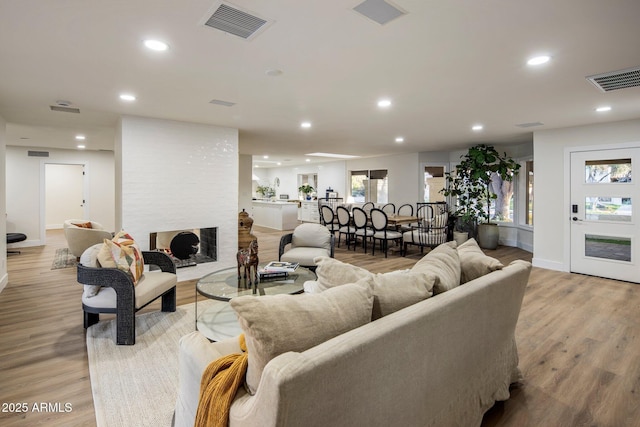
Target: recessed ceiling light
[
  {"x": 384, "y": 103},
  {"x": 307, "y": 160},
  {"x": 81, "y": 147},
  {"x": 156, "y": 45},
  {"x": 603, "y": 109},
  {"x": 279, "y": 163},
  {"x": 305, "y": 125},
  {"x": 477, "y": 128},
  {"x": 399, "y": 139},
  {"x": 127, "y": 97},
  {"x": 81, "y": 137},
  {"x": 539, "y": 60},
  {"x": 265, "y": 157}
]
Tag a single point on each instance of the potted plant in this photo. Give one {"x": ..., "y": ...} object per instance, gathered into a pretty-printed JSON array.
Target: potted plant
[
  {"x": 265, "y": 190},
  {"x": 472, "y": 183},
  {"x": 306, "y": 189}
]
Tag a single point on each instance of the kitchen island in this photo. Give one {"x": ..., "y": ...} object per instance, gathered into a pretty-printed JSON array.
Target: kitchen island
[{"x": 277, "y": 215}]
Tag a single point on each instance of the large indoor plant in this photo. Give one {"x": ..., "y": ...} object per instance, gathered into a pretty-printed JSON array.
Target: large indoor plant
[{"x": 475, "y": 182}]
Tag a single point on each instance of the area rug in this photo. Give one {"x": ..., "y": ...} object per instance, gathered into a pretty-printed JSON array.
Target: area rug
[
  {"x": 137, "y": 385},
  {"x": 63, "y": 259}
]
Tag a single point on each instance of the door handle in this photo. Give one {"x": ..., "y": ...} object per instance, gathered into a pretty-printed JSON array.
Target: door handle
[{"x": 575, "y": 218}]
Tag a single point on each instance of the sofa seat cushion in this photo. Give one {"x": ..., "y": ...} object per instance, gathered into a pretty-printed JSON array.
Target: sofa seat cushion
[
  {"x": 443, "y": 261},
  {"x": 276, "y": 324},
  {"x": 474, "y": 263},
  {"x": 151, "y": 285},
  {"x": 304, "y": 255},
  {"x": 392, "y": 291}
]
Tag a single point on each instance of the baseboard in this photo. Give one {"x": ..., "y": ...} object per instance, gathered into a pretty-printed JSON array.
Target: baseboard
[
  {"x": 549, "y": 265},
  {"x": 526, "y": 247},
  {"x": 4, "y": 281}
]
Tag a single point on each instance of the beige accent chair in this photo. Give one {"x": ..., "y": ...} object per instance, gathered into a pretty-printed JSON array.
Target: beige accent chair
[
  {"x": 307, "y": 242},
  {"x": 80, "y": 239}
]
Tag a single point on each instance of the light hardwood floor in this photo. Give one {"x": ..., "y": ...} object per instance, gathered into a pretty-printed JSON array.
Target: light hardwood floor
[{"x": 578, "y": 340}]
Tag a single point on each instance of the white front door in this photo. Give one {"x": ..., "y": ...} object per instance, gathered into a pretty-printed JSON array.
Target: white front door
[{"x": 605, "y": 226}]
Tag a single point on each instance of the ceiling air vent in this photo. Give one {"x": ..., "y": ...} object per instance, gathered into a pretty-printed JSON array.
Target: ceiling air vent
[
  {"x": 230, "y": 19},
  {"x": 378, "y": 11},
  {"x": 64, "y": 109},
  {"x": 529, "y": 125},
  {"x": 221, "y": 102},
  {"x": 614, "y": 80},
  {"x": 31, "y": 153}
]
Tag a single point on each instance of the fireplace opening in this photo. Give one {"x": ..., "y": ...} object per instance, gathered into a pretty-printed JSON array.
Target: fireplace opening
[{"x": 187, "y": 247}]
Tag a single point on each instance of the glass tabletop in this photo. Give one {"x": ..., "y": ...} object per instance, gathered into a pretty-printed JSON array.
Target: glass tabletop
[{"x": 224, "y": 284}]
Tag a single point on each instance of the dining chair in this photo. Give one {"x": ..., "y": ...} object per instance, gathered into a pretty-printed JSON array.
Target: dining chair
[
  {"x": 346, "y": 227},
  {"x": 360, "y": 222},
  {"x": 367, "y": 207},
  {"x": 389, "y": 208},
  {"x": 328, "y": 218},
  {"x": 431, "y": 229},
  {"x": 405, "y": 210},
  {"x": 380, "y": 223}
]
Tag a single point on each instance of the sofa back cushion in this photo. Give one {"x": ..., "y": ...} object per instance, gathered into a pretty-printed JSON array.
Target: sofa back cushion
[
  {"x": 443, "y": 262},
  {"x": 276, "y": 324},
  {"x": 474, "y": 263}
]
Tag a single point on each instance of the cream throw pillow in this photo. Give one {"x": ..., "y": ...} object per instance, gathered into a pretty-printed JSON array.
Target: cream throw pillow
[
  {"x": 474, "y": 263},
  {"x": 276, "y": 324},
  {"x": 392, "y": 291},
  {"x": 396, "y": 290},
  {"x": 443, "y": 262}
]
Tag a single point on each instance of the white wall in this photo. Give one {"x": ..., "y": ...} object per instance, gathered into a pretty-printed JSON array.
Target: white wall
[
  {"x": 178, "y": 175},
  {"x": 25, "y": 189},
  {"x": 551, "y": 189},
  {"x": 4, "y": 278}
]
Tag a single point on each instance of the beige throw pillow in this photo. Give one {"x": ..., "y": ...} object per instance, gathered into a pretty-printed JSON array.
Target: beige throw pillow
[
  {"x": 443, "y": 262},
  {"x": 123, "y": 253},
  {"x": 392, "y": 291},
  {"x": 396, "y": 290},
  {"x": 276, "y": 324},
  {"x": 474, "y": 263},
  {"x": 332, "y": 272}
]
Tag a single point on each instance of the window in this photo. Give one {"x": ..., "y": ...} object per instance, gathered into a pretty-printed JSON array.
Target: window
[
  {"x": 434, "y": 181},
  {"x": 370, "y": 186},
  {"x": 528, "y": 170}
]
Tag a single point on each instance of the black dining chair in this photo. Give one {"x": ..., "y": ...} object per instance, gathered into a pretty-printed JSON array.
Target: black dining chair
[
  {"x": 361, "y": 224},
  {"x": 346, "y": 227},
  {"x": 380, "y": 224}
]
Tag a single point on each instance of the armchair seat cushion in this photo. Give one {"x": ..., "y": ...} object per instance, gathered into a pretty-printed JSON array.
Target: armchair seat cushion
[
  {"x": 427, "y": 238},
  {"x": 304, "y": 255},
  {"x": 151, "y": 285}
]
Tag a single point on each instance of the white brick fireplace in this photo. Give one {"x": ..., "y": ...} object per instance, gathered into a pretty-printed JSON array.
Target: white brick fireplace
[{"x": 175, "y": 175}]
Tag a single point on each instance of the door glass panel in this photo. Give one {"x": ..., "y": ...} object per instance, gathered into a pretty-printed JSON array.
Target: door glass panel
[
  {"x": 608, "y": 171},
  {"x": 607, "y": 247},
  {"x": 608, "y": 209}
]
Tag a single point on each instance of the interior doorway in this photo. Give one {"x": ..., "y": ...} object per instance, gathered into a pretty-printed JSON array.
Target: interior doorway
[
  {"x": 605, "y": 227},
  {"x": 64, "y": 193}
]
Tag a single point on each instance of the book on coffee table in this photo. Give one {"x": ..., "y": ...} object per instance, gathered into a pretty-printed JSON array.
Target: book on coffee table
[{"x": 280, "y": 267}]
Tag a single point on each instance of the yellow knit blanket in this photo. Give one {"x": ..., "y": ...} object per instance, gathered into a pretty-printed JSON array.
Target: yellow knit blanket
[{"x": 220, "y": 382}]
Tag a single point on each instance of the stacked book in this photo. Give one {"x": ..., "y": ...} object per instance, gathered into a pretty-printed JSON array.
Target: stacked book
[{"x": 277, "y": 269}]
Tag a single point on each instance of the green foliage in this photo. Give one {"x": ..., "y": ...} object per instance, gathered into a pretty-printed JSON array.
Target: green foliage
[
  {"x": 305, "y": 189},
  {"x": 264, "y": 190},
  {"x": 470, "y": 182}
]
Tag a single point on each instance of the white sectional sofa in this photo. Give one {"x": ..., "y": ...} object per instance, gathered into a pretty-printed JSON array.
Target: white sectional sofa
[{"x": 441, "y": 361}]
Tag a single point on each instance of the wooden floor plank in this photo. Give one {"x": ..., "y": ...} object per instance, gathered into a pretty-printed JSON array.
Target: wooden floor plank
[{"x": 577, "y": 340}]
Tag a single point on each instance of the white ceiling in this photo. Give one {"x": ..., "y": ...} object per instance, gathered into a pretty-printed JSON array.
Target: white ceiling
[{"x": 446, "y": 65}]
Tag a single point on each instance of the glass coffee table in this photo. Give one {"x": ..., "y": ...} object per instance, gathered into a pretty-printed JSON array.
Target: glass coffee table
[{"x": 218, "y": 320}]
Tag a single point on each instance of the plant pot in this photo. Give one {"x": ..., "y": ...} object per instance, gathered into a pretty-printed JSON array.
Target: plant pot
[
  {"x": 488, "y": 235},
  {"x": 308, "y": 197},
  {"x": 460, "y": 237}
]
